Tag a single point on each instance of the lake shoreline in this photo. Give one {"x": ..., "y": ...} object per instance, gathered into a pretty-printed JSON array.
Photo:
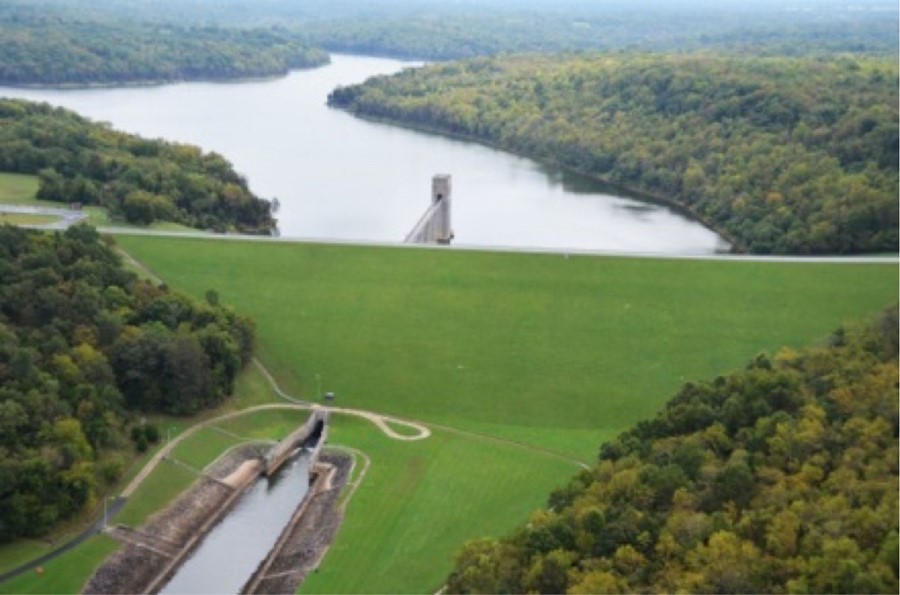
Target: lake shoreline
[
  {"x": 142, "y": 83},
  {"x": 338, "y": 176},
  {"x": 627, "y": 191}
]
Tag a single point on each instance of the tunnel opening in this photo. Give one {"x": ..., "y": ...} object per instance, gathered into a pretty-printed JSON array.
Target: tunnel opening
[{"x": 313, "y": 439}]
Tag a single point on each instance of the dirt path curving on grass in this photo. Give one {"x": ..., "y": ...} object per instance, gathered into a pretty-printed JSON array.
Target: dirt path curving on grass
[{"x": 381, "y": 421}]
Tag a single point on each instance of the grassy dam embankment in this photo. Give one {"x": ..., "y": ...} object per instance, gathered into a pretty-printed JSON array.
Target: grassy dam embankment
[
  {"x": 551, "y": 352},
  {"x": 522, "y": 364}
]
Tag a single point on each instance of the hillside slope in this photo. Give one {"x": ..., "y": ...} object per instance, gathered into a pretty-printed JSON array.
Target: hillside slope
[{"x": 47, "y": 46}]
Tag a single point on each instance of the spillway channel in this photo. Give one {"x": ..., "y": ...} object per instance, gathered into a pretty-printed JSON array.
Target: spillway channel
[{"x": 233, "y": 549}]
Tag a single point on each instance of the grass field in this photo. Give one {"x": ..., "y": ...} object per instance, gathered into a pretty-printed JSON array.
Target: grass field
[
  {"x": 420, "y": 500},
  {"x": 26, "y": 219},
  {"x": 19, "y": 189},
  {"x": 552, "y": 352},
  {"x": 66, "y": 573}
]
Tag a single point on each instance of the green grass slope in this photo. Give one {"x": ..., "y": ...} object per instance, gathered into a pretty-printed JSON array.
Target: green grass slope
[
  {"x": 65, "y": 574},
  {"x": 19, "y": 189},
  {"x": 559, "y": 353},
  {"x": 419, "y": 501}
]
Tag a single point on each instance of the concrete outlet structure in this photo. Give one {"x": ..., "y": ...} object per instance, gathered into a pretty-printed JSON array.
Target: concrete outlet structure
[{"x": 435, "y": 226}]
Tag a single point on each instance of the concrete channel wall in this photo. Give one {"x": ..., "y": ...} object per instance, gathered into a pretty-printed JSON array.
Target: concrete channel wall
[
  {"x": 317, "y": 422},
  {"x": 320, "y": 479},
  {"x": 172, "y": 566},
  {"x": 280, "y": 453}
]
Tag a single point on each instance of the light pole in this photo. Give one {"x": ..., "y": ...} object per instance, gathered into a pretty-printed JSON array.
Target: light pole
[
  {"x": 168, "y": 433},
  {"x": 318, "y": 385}
]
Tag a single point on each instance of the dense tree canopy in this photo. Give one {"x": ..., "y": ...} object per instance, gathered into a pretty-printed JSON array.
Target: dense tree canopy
[
  {"x": 778, "y": 478},
  {"x": 437, "y": 29},
  {"x": 137, "y": 179},
  {"x": 786, "y": 155},
  {"x": 84, "y": 346},
  {"x": 40, "y": 48},
  {"x": 453, "y": 30}
]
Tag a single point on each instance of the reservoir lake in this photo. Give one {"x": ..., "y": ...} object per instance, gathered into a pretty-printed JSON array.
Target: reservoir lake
[{"x": 340, "y": 177}]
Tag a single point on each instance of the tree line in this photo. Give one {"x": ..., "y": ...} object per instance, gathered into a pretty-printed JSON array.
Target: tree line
[
  {"x": 785, "y": 155},
  {"x": 136, "y": 179},
  {"x": 55, "y": 49},
  {"x": 778, "y": 478},
  {"x": 85, "y": 348},
  {"x": 438, "y": 30},
  {"x": 453, "y": 32}
]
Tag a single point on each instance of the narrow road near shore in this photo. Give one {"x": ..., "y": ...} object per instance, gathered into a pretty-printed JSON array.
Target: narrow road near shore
[{"x": 67, "y": 216}]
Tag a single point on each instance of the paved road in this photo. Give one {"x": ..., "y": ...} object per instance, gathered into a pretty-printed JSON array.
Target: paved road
[
  {"x": 888, "y": 259},
  {"x": 67, "y": 217}
]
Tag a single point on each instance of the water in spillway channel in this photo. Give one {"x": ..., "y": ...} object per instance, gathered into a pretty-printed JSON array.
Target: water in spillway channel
[{"x": 234, "y": 548}]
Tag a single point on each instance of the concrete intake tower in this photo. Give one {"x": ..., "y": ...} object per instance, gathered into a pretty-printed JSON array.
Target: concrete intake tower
[{"x": 435, "y": 226}]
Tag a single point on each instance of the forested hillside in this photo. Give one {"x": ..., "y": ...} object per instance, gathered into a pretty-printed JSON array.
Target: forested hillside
[
  {"x": 786, "y": 155},
  {"x": 440, "y": 30},
  {"x": 137, "y": 179},
  {"x": 778, "y": 478},
  {"x": 450, "y": 31},
  {"x": 84, "y": 346},
  {"x": 48, "y": 49}
]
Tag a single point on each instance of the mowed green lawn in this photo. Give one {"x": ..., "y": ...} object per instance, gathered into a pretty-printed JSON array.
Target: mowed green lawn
[
  {"x": 67, "y": 573},
  {"x": 419, "y": 501},
  {"x": 16, "y": 189},
  {"x": 555, "y": 352},
  {"x": 26, "y": 219}
]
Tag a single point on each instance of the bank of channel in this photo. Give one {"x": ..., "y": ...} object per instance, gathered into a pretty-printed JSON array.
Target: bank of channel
[{"x": 228, "y": 556}]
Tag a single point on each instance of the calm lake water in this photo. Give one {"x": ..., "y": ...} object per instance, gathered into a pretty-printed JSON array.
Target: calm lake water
[{"x": 340, "y": 177}]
